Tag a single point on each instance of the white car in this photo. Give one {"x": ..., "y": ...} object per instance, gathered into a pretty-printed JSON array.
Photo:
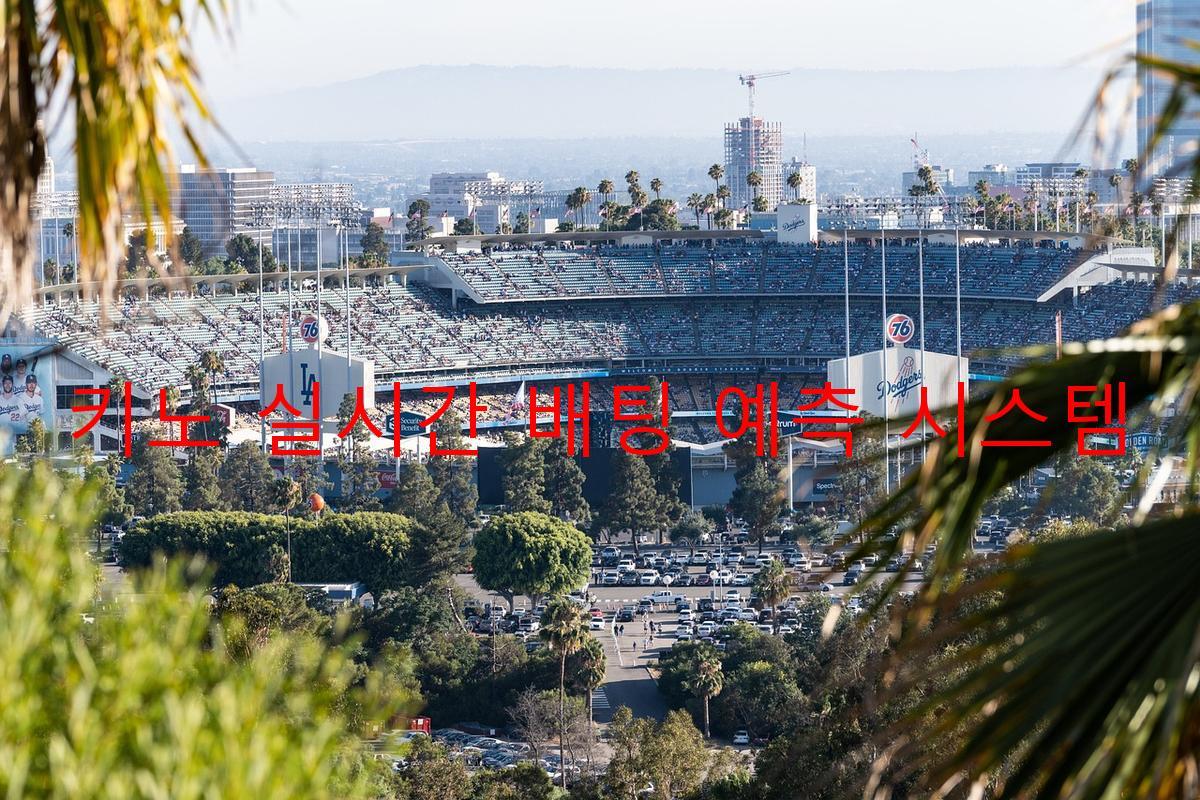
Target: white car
[
  {"x": 742, "y": 579},
  {"x": 648, "y": 577},
  {"x": 698, "y": 559},
  {"x": 685, "y": 615},
  {"x": 741, "y": 737},
  {"x": 723, "y": 577},
  {"x": 733, "y": 595},
  {"x": 597, "y": 623},
  {"x": 706, "y": 628}
]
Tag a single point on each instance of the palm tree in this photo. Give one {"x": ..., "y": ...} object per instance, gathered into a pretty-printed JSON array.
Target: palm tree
[
  {"x": 211, "y": 362},
  {"x": 716, "y": 172},
  {"x": 710, "y": 205},
  {"x": 754, "y": 181},
  {"x": 656, "y": 186},
  {"x": 706, "y": 683},
  {"x": 591, "y": 675},
  {"x": 1137, "y": 202},
  {"x": 572, "y": 202},
  {"x": 695, "y": 202},
  {"x": 632, "y": 177},
  {"x": 563, "y": 629},
  {"x": 606, "y": 189},
  {"x": 723, "y": 194},
  {"x": 131, "y": 82},
  {"x": 793, "y": 181},
  {"x": 774, "y": 584},
  {"x": 585, "y": 201}
]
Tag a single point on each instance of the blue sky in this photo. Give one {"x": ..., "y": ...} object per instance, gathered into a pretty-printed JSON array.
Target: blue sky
[{"x": 284, "y": 44}]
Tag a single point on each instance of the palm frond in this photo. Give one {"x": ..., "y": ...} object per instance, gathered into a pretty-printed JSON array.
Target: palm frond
[
  {"x": 126, "y": 71},
  {"x": 1085, "y": 681}
]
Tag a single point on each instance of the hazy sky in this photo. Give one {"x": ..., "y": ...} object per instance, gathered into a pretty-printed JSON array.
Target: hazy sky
[{"x": 284, "y": 44}]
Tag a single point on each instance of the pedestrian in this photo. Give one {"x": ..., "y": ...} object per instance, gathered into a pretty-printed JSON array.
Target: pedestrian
[{"x": 635, "y": 645}]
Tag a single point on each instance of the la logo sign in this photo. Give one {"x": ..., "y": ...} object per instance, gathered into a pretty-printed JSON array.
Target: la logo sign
[{"x": 900, "y": 328}]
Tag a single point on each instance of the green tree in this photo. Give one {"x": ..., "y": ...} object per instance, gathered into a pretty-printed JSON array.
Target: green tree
[
  {"x": 155, "y": 487},
  {"x": 439, "y": 538},
  {"x": 375, "y": 246},
  {"x": 370, "y": 547},
  {"x": 418, "y": 213},
  {"x": 356, "y": 462},
  {"x": 632, "y": 502},
  {"x": 428, "y": 773},
  {"x": 692, "y": 529},
  {"x": 759, "y": 498},
  {"x": 656, "y": 186},
  {"x": 264, "y": 611},
  {"x": 247, "y": 480},
  {"x": 1084, "y": 489},
  {"x": 35, "y": 441},
  {"x": 202, "y": 481},
  {"x": 110, "y": 505},
  {"x": 267, "y": 725},
  {"x": 191, "y": 251},
  {"x": 454, "y": 475},
  {"x": 564, "y": 630},
  {"x": 564, "y": 484},
  {"x": 706, "y": 683},
  {"x": 464, "y": 226},
  {"x": 243, "y": 255},
  {"x": 523, "y": 474},
  {"x": 531, "y": 554}
]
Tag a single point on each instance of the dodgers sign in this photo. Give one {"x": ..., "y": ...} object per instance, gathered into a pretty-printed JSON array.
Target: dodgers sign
[{"x": 900, "y": 328}]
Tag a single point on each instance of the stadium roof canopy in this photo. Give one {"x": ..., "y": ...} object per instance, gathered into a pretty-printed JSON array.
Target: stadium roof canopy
[
  {"x": 976, "y": 236},
  {"x": 453, "y": 243}
]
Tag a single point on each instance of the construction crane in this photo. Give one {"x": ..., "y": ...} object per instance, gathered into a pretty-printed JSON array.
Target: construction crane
[{"x": 749, "y": 81}]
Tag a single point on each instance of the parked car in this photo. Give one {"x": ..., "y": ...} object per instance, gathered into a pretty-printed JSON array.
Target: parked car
[
  {"x": 625, "y": 614},
  {"x": 597, "y": 623},
  {"x": 741, "y": 737}
]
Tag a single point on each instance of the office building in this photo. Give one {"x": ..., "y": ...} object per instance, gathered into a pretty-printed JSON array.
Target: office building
[
  {"x": 1165, "y": 30},
  {"x": 994, "y": 174},
  {"x": 217, "y": 204},
  {"x": 754, "y": 145}
]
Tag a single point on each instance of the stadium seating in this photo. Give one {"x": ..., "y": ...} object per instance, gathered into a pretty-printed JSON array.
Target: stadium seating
[{"x": 550, "y": 309}]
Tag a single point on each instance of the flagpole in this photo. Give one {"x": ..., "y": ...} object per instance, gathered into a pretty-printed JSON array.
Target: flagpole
[
  {"x": 921, "y": 314},
  {"x": 958, "y": 306},
  {"x": 887, "y": 464},
  {"x": 262, "y": 348},
  {"x": 846, "y": 286}
]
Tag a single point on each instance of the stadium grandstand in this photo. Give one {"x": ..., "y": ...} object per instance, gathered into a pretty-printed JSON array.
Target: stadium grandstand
[{"x": 705, "y": 312}]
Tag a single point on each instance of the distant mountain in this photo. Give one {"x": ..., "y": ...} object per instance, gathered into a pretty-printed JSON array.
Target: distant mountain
[{"x": 486, "y": 102}]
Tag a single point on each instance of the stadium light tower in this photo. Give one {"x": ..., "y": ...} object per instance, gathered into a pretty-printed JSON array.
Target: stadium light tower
[{"x": 749, "y": 81}]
